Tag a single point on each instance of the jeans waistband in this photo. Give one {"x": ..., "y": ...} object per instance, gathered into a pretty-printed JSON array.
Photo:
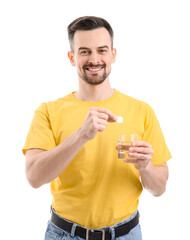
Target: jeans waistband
[{"x": 107, "y": 233}]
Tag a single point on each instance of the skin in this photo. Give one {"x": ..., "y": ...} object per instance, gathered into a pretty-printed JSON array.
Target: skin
[
  {"x": 93, "y": 56},
  {"x": 93, "y": 49}
]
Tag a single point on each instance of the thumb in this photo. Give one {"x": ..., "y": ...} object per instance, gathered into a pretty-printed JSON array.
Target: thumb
[{"x": 112, "y": 118}]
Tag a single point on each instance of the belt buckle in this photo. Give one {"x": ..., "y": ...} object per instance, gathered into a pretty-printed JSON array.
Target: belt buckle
[{"x": 95, "y": 229}]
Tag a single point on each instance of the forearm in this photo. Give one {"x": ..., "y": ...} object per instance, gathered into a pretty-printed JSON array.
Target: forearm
[
  {"x": 154, "y": 179},
  {"x": 45, "y": 166}
]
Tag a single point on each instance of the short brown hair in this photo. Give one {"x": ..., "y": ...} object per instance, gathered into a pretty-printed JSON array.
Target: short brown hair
[{"x": 87, "y": 23}]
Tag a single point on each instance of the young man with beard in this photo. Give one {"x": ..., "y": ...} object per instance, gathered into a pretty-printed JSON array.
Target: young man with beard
[{"x": 72, "y": 144}]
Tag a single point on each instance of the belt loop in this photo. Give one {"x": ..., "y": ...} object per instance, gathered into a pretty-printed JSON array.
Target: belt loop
[
  {"x": 73, "y": 229},
  {"x": 112, "y": 230}
]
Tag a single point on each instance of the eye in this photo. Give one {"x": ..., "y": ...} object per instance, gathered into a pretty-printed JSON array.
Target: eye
[
  {"x": 84, "y": 52},
  {"x": 102, "y": 51}
]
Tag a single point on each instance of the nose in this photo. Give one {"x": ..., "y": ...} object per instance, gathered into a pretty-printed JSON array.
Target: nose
[{"x": 94, "y": 59}]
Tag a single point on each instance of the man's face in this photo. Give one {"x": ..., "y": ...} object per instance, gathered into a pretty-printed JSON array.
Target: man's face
[{"x": 92, "y": 55}]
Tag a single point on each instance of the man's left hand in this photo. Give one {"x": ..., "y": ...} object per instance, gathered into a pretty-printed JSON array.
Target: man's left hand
[{"x": 141, "y": 153}]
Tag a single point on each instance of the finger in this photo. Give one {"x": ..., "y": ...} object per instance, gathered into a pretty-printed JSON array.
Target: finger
[
  {"x": 141, "y": 144},
  {"x": 111, "y": 116},
  {"x": 97, "y": 127},
  {"x": 130, "y": 160},
  {"x": 101, "y": 127},
  {"x": 102, "y": 122},
  {"x": 140, "y": 150},
  {"x": 96, "y": 120},
  {"x": 140, "y": 163},
  {"x": 103, "y": 116},
  {"x": 135, "y": 160},
  {"x": 140, "y": 156}
]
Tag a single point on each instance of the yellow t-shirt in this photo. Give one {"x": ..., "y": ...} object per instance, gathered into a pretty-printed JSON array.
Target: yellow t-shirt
[{"x": 96, "y": 189}]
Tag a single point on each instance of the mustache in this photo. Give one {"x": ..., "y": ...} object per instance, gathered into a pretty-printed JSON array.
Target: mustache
[{"x": 95, "y": 66}]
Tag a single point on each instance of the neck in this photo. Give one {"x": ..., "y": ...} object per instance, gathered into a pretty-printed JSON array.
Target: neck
[{"x": 94, "y": 93}]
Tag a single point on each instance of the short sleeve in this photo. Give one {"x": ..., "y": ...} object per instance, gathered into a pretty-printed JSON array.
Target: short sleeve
[
  {"x": 40, "y": 134},
  {"x": 153, "y": 135}
]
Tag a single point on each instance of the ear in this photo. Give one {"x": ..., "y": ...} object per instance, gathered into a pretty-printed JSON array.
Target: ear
[
  {"x": 71, "y": 58},
  {"x": 114, "y": 53}
]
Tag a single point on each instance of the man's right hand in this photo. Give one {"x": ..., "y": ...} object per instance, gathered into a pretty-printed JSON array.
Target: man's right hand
[
  {"x": 43, "y": 166},
  {"x": 96, "y": 121}
]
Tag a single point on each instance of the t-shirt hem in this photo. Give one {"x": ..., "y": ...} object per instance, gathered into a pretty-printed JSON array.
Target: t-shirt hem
[{"x": 158, "y": 163}]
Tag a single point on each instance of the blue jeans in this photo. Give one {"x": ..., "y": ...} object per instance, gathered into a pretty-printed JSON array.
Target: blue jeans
[{"x": 55, "y": 233}]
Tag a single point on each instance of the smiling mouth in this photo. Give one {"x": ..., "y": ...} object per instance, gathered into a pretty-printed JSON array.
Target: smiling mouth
[{"x": 94, "y": 69}]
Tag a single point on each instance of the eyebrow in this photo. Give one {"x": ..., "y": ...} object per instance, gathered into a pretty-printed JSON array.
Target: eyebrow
[
  {"x": 82, "y": 48},
  {"x": 85, "y": 48},
  {"x": 105, "y": 46}
]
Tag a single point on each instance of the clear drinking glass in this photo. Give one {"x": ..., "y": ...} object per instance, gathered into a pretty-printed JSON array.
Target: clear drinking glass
[{"x": 125, "y": 141}]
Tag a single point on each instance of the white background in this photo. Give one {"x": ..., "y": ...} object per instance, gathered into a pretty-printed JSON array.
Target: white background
[{"x": 153, "y": 64}]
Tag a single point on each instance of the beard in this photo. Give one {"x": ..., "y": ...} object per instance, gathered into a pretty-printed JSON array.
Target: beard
[{"x": 95, "y": 79}]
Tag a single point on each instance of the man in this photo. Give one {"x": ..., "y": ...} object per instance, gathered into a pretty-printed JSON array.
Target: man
[{"x": 72, "y": 143}]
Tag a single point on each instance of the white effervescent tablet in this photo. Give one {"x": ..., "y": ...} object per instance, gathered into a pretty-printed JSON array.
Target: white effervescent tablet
[{"x": 119, "y": 119}]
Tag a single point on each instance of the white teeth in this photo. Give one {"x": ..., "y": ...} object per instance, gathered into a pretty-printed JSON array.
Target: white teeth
[{"x": 94, "y": 69}]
